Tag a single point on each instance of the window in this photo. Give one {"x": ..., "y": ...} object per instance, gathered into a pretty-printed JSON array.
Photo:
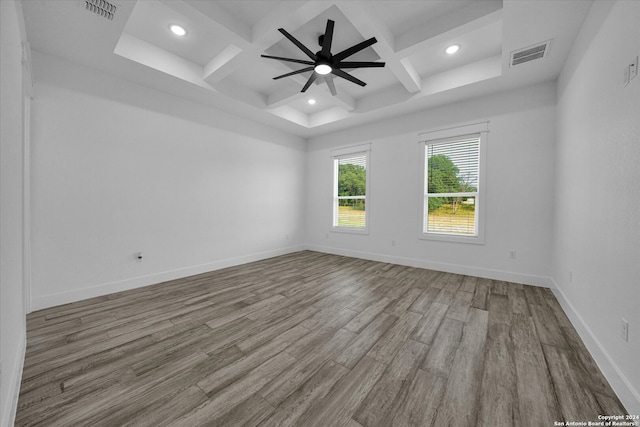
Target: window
[
  {"x": 453, "y": 187},
  {"x": 350, "y": 189}
]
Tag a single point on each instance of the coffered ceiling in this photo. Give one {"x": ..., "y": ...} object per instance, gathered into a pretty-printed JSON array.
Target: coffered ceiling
[{"x": 217, "y": 62}]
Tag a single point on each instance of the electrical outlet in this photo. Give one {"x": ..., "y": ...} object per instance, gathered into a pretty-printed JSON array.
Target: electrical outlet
[
  {"x": 393, "y": 243},
  {"x": 624, "y": 331},
  {"x": 512, "y": 254},
  {"x": 571, "y": 277}
]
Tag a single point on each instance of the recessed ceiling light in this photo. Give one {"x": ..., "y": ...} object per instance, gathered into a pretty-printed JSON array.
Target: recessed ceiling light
[
  {"x": 311, "y": 101},
  {"x": 452, "y": 49},
  {"x": 177, "y": 30}
]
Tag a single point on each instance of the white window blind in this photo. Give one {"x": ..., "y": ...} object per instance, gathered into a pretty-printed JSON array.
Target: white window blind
[
  {"x": 350, "y": 191},
  {"x": 452, "y": 181}
]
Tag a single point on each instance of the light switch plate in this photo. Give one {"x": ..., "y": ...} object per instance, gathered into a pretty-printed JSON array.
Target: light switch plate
[
  {"x": 625, "y": 75},
  {"x": 633, "y": 69},
  {"x": 624, "y": 330}
]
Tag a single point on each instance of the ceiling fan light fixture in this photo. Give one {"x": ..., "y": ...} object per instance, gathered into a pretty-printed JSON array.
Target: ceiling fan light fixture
[
  {"x": 324, "y": 62},
  {"x": 177, "y": 30},
  {"x": 452, "y": 49},
  {"x": 323, "y": 69}
]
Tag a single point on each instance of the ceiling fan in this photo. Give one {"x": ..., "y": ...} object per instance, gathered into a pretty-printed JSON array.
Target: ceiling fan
[{"x": 323, "y": 63}]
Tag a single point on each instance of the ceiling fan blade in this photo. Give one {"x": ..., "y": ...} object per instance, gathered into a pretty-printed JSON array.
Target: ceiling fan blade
[
  {"x": 328, "y": 37},
  {"x": 353, "y": 49},
  {"x": 331, "y": 84},
  {"x": 358, "y": 64},
  {"x": 313, "y": 78},
  {"x": 293, "y": 73},
  {"x": 299, "y": 61},
  {"x": 346, "y": 76},
  {"x": 297, "y": 43}
]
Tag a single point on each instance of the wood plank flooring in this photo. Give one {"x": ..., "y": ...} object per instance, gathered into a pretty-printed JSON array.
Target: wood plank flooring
[{"x": 311, "y": 339}]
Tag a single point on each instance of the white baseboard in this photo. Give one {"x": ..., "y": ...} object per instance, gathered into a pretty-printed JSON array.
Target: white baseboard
[
  {"x": 628, "y": 395},
  {"x": 8, "y": 413},
  {"x": 507, "y": 276},
  {"x": 53, "y": 300}
]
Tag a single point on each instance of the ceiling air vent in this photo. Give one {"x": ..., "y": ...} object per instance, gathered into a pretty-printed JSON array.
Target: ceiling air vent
[
  {"x": 101, "y": 8},
  {"x": 530, "y": 53}
]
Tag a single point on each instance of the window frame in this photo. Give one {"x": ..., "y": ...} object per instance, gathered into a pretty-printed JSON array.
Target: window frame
[
  {"x": 444, "y": 136},
  {"x": 336, "y": 156}
]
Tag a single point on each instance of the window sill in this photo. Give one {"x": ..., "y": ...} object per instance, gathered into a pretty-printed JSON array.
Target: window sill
[
  {"x": 473, "y": 240},
  {"x": 349, "y": 230}
]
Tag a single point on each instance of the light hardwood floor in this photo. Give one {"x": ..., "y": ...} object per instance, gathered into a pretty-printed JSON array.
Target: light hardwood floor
[{"x": 312, "y": 339}]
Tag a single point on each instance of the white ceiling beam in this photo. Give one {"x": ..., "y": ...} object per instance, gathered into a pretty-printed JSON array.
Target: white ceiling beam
[
  {"x": 368, "y": 25},
  {"x": 220, "y": 66},
  {"x": 209, "y": 14},
  {"x": 145, "y": 53},
  {"x": 407, "y": 74}
]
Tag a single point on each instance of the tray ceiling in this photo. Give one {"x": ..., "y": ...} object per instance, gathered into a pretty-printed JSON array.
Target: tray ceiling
[{"x": 218, "y": 61}]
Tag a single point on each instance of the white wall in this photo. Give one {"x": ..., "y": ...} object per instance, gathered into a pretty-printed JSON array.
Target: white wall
[
  {"x": 519, "y": 188},
  {"x": 119, "y": 168},
  {"x": 597, "y": 203},
  {"x": 12, "y": 308}
]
